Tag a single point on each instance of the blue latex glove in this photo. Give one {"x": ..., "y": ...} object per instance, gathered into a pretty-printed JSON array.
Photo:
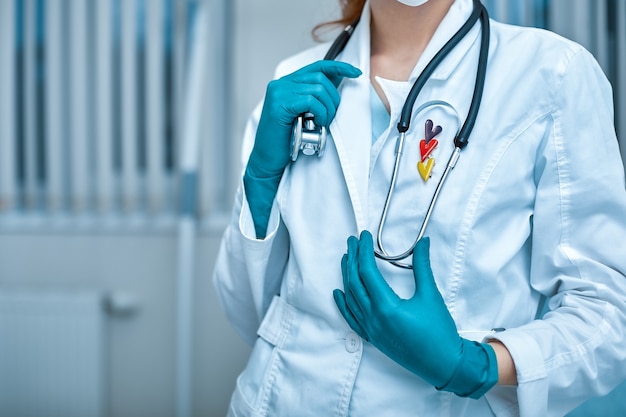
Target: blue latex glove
[
  {"x": 417, "y": 333},
  {"x": 310, "y": 89}
]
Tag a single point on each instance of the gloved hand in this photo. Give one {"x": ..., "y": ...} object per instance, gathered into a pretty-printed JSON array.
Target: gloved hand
[
  {"x": 417, "y": 333},
  {"x": 310, "y": 89}
]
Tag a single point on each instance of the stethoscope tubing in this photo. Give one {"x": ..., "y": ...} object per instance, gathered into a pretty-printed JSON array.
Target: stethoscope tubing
[
  {"x": 381, "y": 252},
  {"x": 462, "y": 136},
  {"x": 341, "y": 41},
  {"x": 460, "y": 139}
]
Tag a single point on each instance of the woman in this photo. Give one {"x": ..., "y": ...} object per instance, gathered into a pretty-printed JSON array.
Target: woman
[{"x": 516, "y": 300}]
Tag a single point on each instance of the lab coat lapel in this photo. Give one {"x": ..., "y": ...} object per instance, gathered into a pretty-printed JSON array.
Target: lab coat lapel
[{"x": 351, "y": 128}]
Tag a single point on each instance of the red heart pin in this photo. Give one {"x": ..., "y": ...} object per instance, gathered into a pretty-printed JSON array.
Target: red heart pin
[
  {"x": 431, "y": 132},
  {"x": 426, "y": 148}
]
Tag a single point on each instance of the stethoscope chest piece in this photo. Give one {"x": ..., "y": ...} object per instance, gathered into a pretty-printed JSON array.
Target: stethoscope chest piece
[{"x": 307, "y": 137}]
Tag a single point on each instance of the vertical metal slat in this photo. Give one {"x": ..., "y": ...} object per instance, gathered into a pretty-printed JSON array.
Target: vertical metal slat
[
  {"x": 560, "y": 16},
  {"x": 31, "y": 125},
  {"x": 129, "y": 104},
  {"x": 206, "y": 168},
  {"x": 179, "y": 67},
  {"x": 104, "y": 106},
  {"x": 155, "y": 95},
  {"x": 216, "y": 164},
  {"x": 8, "y": 180},
  {"x": 583, "y": 20},
  {"x": 502, "y": 10},
  {"x": 527, "y": 9},
  {"x": 79, "y": 103},
  {"x": 601, "y": 34},
  {"x": 55, "y": 127}
]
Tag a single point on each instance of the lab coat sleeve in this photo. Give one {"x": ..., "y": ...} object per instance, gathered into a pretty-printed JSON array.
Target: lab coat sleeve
[
  {"x": 578, "y": 349},
  {"x": 248, "y": 271}
]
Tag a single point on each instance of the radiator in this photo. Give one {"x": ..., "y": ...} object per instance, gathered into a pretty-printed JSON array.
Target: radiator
[{"x": 52, "y": 353}]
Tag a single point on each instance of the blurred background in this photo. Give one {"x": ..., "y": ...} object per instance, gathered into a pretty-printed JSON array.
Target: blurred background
[{"x": 120, "y": 123}]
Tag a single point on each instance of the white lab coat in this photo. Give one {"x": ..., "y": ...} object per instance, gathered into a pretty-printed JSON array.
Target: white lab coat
[{"x": 535, "y": 208}]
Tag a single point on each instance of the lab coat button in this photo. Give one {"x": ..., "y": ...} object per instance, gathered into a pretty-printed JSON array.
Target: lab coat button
[{"x": 353, "y": 342}]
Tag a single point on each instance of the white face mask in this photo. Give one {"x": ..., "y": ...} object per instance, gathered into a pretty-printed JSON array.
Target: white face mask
[{"x": 413, "y": 3}]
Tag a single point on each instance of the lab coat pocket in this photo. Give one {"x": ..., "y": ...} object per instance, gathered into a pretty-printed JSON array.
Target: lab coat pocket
[{"x": 255, "y": 385}]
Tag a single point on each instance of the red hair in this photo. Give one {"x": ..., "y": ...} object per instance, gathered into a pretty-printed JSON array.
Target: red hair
[{"x": 350, "y": 11}]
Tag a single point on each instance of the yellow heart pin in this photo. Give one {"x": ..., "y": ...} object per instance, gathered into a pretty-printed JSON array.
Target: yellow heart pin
[{"x": 426, "y": 168}]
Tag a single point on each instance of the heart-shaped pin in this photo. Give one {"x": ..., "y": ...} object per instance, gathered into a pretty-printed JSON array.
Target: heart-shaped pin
[
  {"x": 431, "y": 132},
  {"x": 426, "y": 169},
  {"x": 426, "y": 148}
]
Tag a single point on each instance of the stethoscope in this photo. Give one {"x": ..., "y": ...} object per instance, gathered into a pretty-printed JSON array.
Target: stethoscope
[{"x": 310, "y": 139}]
